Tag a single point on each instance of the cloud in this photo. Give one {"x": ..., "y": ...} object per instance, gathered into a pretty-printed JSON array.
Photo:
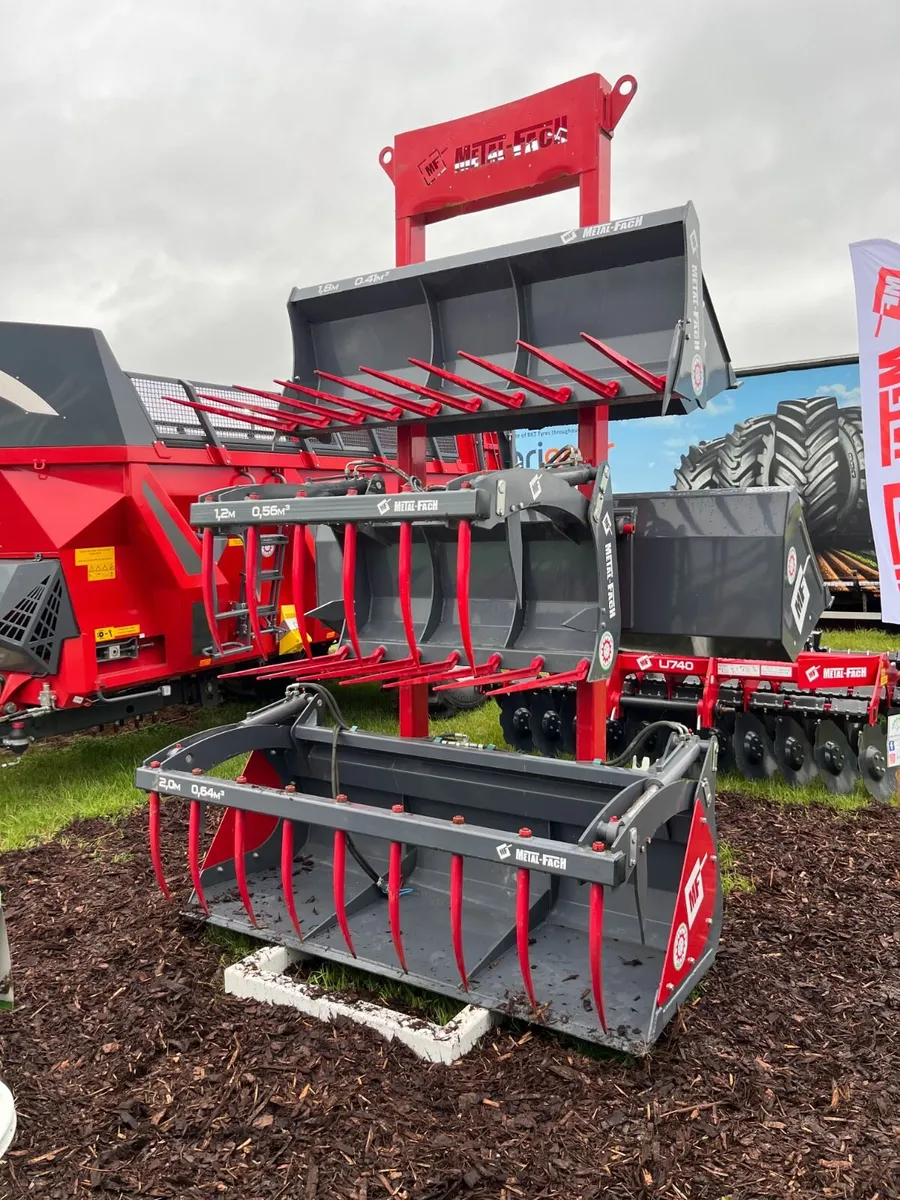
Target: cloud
[{"x": 845, "y": 396}]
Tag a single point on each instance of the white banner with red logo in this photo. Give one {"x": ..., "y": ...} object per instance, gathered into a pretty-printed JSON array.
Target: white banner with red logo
[{"x": 876, "y": 275}]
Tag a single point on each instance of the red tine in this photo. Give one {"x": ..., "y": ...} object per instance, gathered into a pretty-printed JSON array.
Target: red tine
[
  {"x": 463, "y": 569},
  {"x": 251, "y": 555},
  {"x": 316, "y": 418},
  {"x": 607, "y": 390},
  {"x": 278, "y": 426},
  {"x": 377, "y": 672},
  {"x": 579, "y": 674},
  {"x": 395, "y": 879},
  {"x": 463, "y": 676},
  {"x": 535, "y": 666},
  {"x": 656, "y": 383},
  {"x": 155, "y": 853},
  {"x": 557, "y": 395},
  {"x": 276, "y": 669},
  {"x": 298, "y": 585},
  {"x": 287, "y": 419},
  {"x": 194, "y": 852},
  {"x": 507, "y": 399},
  {"x": 456, "y": 904},
  {"x": 339, "y": 880},
  {"x": 419, "y": 389},
  {"x": 354, "y": 417},
  {"x": 240, "y": 867},
  {"x": 523, "y": 911},
  {"x": 287, "y": 872},
  {"x": 349, "y": 586},
  {"x": 413, "y": 406},
  {"x": 369, "y": 410},
  {"x": 208, "y": 586},
  {"x": 426, "y": 673},
  {"x": 404, "y": 579},
  {"x": 595, "y": 950}
]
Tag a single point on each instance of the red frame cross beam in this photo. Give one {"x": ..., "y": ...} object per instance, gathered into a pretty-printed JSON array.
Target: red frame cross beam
[{"x": 542, "y": 144}]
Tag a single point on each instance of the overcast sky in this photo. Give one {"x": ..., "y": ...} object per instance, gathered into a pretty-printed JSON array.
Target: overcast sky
[{"x": 169, "y": 170}]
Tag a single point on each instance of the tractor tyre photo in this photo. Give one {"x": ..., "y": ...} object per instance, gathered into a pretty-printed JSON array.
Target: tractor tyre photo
[
  {"x": 807, "y": 458},
  {"x": 745, "y": 458},
  {"x": 698, "y": 467},
  {"x": 854, "y": 514}
]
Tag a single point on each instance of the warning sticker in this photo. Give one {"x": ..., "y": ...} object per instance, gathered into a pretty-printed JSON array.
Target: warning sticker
[
  {"x": 99, "y": 560},
  {"x": 291, "y": 640},
  {"x": 111, "y": 633},
  {"x": 235, "y": 541},
  {"x": 893, "y": 741}
]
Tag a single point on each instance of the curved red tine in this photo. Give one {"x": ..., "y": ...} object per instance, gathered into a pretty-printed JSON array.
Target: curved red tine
[
  {"x": 243, "y": 407},
  {"x": 349, "y": 586},
  {"x": 251, "y": 563},
  {"x": 208, "y": 586},
  {"x": 298, "y": 585},
  {"x": 155, "y": 854},
  {"x": 194, "y": 852},
  {"x": 456, "y": 904},
  {"x": 369, "y": 410},
  {"x": 351, "y": 418},
  {"x": 240, "y": 866},
  {"x": 607, "y": 390},
  {"x": 339, "y": 882},
  {"x": 595, "y": 950},
  {"x": 318, "y": 417},
  {"x": 287, "y": 872},
  {"x": 507, "y": 399},
  {"x": 327, "y": 662},
  {"x": 404, "y": 583},
  {"x": 463, "y": 570},
  {"x": 656, "y": 383},
  {"x": 523, "y": 911},
  {"x": 423, "y": 673},
  {"x": 419, "y": 389},
  {"x": 463, "y": 677},
  {"x": 557, "y": 395},
  {"x": 578, "y": 675},
  {"x": 533, "y": 669},
  {"x": 278, "y": 426},
  {"x": 413, "y": 406},
  {"x": 395, "y": 879}
]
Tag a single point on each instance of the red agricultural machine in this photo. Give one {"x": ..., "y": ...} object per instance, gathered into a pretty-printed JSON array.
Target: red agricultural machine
[
  {"x": 583, "y": 895},
  {"x": 105, "y": 589}
]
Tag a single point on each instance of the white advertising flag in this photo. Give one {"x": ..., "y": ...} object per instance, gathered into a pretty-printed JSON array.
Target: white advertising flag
[{"x": 876, "y": 277}]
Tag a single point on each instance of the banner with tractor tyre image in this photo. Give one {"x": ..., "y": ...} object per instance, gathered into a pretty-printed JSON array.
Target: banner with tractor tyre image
[{"x": 796, "y": 426}]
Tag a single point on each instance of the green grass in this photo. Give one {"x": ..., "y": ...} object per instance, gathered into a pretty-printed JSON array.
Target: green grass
[{"x": 861, "y": 638}]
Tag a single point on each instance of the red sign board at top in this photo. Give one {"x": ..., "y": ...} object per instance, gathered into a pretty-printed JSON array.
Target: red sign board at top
[{"x": 535, "y": 146}]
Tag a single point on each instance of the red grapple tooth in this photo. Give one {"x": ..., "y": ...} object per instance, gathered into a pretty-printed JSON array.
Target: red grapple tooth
[
  {"x": 456, "y": 904},
  {"x": 240, "y": 867},
  {"x": 155, "y": 855},
  {"x": 523, "y": 909},
  {"x": 463, "y": 568},
  {"x": 287, "y": 872},
  {"x": 208, "y": 586},
  {"x": 395, "y": 879},
  {"x": 194, "y": 852},
  {"x": 595, "y": 950},
  {"x": 349, "y": 586},
  {"x": 404, "y": 583},
  {"x": 339, "y": 883},
  {"x": 607, "y": 390}
]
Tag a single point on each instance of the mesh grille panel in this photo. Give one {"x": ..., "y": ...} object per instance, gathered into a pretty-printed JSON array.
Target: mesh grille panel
[{"x": 174, "y": 420}]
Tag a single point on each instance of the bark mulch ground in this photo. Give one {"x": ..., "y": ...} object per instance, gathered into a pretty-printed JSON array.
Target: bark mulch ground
[{"x": 136, "y": 1076}]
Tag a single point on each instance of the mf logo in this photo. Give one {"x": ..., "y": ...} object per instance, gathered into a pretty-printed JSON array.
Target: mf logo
[
  {"x": 503, "y": 851},
  {"x": 432, "y": 166},
  {"x": 887, "y": 296}
]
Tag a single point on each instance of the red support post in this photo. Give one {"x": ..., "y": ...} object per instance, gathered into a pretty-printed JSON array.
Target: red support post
[
  {"x": 590, "y": 698},
  {"x": 413, "y": 697}
]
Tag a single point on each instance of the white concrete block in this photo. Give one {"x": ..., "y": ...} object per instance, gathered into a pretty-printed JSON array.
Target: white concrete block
[{"x": 261, "y": 977}]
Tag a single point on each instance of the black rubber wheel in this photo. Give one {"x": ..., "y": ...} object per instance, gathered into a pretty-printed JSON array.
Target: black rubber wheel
[
  {"x": 463, "y": 699},
  {"x": 808, "y": 459},
  {"x": 745, "y": 458},
  {"x": 853, "y": 516},
  {"x": 698, "y": 466}
]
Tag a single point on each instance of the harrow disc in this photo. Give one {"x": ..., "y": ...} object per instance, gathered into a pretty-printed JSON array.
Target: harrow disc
[
  {"x": 794, "y": 753},
  {"x": 879, "y": 780},
  {"x": 753, "y": 749},
  {"x": 547, "y": 724},
  {"x": 515, "y": 721},
  {"x": 835, "y": 760}
]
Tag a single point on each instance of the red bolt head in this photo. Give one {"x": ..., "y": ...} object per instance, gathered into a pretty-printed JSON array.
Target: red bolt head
[
  {"x": 290, "y": 787},
  {"x": 196, "y": 771},
  {"x": 598, "y": 847},
  {"x": 341, "y": 798},
  {"x": 612, "y": 820},
  {"x": 396, "y": 808},
  {"x": 241, "y": 779},
  {"x": 466, "y": 483},
  {"x": 525, "y": 833},
  {"x": 178, "y": 745},
  {"x": 155, "y": 763},
  {"x": 459, "y": 820}
]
